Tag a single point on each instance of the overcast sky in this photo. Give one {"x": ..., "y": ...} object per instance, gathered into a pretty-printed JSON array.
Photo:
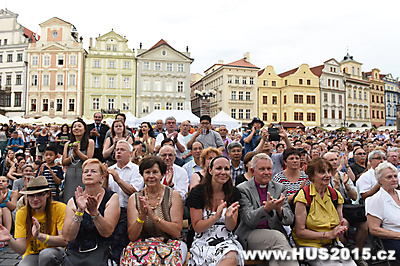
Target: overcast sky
[{"x": 283, "y": 34}]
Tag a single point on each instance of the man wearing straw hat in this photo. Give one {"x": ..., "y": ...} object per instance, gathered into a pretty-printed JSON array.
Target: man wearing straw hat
[{"x": 38, "y": 237}]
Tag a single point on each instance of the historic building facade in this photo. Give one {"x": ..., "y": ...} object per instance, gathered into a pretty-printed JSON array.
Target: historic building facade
[
  {"x": 14, "y": 40},
  {"x": 377, "y": 98},
  {"x": 391, "y": 98},
  {"x": 333, "y": 98},
  {"x": 55, "y": 72},
  {"x": 110, "y": 77},
  {"x": 358, "y": 90},
  {"x": 234, "y": 88},
  {"x": 163, "y": 79}
]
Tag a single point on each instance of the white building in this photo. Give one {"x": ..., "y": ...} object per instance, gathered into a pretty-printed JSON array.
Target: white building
[
  {"x": 14, "y": 40},
  {"x": 163, "y": 79}
]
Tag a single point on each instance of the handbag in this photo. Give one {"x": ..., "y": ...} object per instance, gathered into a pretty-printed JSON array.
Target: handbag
[
  {"x": 152, "y": 251},
  {"x": 97, "y": 256},
  {"x": 354, "y": 213}
]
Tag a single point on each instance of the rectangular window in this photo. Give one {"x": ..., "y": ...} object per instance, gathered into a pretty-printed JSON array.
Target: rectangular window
[
  {"x": 310, "y": 99},
  {"x": 127, "y": 65},
  {"x": 325, "y": 97},
  {"x": 60, "y": 80},
  {"x": 265, "y": 99},
  {"x": 111, "y": 64},
  {"x": 108, "y": 47},
  {"x": 233, "y": 95},
  {"x": 145, "y": 108},
  {"x": 179, "y": 106},
  {"x": 350, "y": 112},
  {"x": 360, "y": 95},
  {"x": 298, "y": 116},
  {"x": 233, "y": 113},
  {"x": 127, "y": 83},
  {"x": 125, "y": 105},
  {"x": 240, "y": 113},
  {"x": 110, "y": 103},
  {"x": 180, "y": 68},
  {"x": 96, "y": 63},
  {"x": 265, "y": 82},
  {"x": 7, "y": 100},
  {"x": 34, "y": 80},
  {"x": 274, "y": 99},
  {"x": 146, "y": 65},
  {"x": 18, "y": 79},
  {"x": 229, "y": 79},
  {"x": 35, "y": 60},
  {"x": 1, "y": 58},
  {"x": 33, "y": 105},
  {"x": 251, "y": 81},
  {"x": 240, "y": 95},
  {"x": 45, "y": 107},
  {"x": 340, "y": 114},
  {"x": 273, "y": 83},
  {"x": 9, "y": 58},
  {"x": 96, "y": 82},
  {"x": 382, "y": 116},
  {"x": 60, "y": 61},
  {"x": 333, "y": 113},
  {"x": 96, "y": 104},
  {"x": 114, "y": 48},
  {"x": 248, "y": 114},
  {"x": 333, "y": 98},
  {"x": 237, "y": 80},
  {"x": 311, "y": 117},
  {"x": 248, "y": 98},
  {"x": 308, "y": 82},
  {"x": 157, "y": 67},
  {"x": 169, "y": 66},
  {"x": 72, "y": 59},
  {"x": 244, "y": 80},
  {"x": 329, "y": 82},
  {"x": 72, "y": 80},
  {"x": 111, "y": 82},
  {"x": 337, "y": 83},
  {"x": 19, "y": 57},
  {"x": 355, "y": 94},
  {"x": 17, "y": 99},
  {"x": 340, "y": 99},
  {"x": 325, "y": 113},
  {"x": 180, "y": 86},
  {"x": 46, "y": 61},
  {"x": 373, "y": 98},
  {"x": 46, "y": 80},
  {"x": 300, "y": 81},
  {"x": 59, "y": 105},
  {"x": 71, "y": 105},
  {"x": 284, "y": 99},
  {"x": 373, "y": 113},
  {"x": 284, "y": 117},
  {"x": 298, "y": 98},
  {"x": 157, "y": 106},
  {"x": 365, "y": 113},
  {"x": 168, "y": 106},
  {"x": 265, "y": 116},
  {"x": 365, "y": 95},
  {"x": 8, "y": 80},
  {"x": 274, "y": 117}
]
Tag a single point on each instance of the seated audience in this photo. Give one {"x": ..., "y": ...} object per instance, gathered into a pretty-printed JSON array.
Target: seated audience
[
  {"x": 194, "y": 165},
  {"x": 247, "y": 165},
  {"x": 8, "y": 202},
  {"x": 206, "y": 156},
  {"x": 235, "y": 154},
  {"x": 366, "y": 184}
]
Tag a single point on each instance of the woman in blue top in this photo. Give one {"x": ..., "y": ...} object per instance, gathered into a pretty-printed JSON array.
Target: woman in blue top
[{"x": 8, "y": 202}]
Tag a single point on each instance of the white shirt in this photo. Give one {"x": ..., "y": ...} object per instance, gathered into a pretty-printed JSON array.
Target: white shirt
[
  {"x": 160, "y": 138},
  {"x": 129, "y": 174},
  {"x": 383, "y": 206},
  {"x": 183, "y": 140},
  {"x": 180, "y": 180},
  {"x": 191, "y": 167},
  {"x": 366, "y": 181}
]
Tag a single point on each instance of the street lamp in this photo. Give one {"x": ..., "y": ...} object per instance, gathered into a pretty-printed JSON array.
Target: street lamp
[
  {"x": 204, "y": 94},
  {"x": 205, "y": 103}
]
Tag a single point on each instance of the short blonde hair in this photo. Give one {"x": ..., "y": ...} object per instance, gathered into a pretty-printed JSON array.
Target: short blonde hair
[
  {"x": 206, "y": 152},
  {"x": 102, "y": 167}
]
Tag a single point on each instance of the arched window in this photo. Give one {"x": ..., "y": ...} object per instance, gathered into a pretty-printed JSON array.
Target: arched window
[{"x": 352, "y": 70}]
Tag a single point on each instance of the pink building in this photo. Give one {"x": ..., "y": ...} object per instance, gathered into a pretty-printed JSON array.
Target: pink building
[{"x": 55, "y": 72}]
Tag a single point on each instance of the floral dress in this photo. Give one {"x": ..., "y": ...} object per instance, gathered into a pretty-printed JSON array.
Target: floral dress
[{"x": 211, "y": 246}]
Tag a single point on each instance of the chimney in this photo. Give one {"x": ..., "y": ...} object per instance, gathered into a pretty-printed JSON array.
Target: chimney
[
  {"x": 246, "y": 57},
  {"x": 91, "y": 42},
  {"x": 220, "y": 62}
]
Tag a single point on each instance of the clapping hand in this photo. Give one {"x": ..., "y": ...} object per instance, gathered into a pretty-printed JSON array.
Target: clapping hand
[
  {"x": 4, "y": 234},
  {"x": 80, "y": 199},
  {"x": 337, "y": 231},
  {"x": 273, "y": 204},
  {"x": 3, "y": 197},
  {"x": 232, "y": 210},
  {"x": 92, "y": 203},
  {"x": 35, "y": 228},
  {"x": 143, "y": 209},
  {"x": 220, "y": 209}
]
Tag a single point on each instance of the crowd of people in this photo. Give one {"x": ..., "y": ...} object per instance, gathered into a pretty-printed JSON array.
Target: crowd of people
[{"x": 112, "y": 195}]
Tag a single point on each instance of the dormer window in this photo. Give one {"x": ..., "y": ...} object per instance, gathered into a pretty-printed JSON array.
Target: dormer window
[{"x": 55, "y": 34}]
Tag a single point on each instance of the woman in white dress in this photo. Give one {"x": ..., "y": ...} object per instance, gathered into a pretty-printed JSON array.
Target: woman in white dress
[{"x": 214, "y": 212}]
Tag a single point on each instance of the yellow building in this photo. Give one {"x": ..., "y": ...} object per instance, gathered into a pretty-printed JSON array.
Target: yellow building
[
  {"x": 110, "y": 77},
  {"x": 290, "y": 97}
]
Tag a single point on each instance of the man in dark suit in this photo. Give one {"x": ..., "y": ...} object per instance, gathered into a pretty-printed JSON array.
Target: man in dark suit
[
  {"x": 98, "y": 132},
  {"x": 264, "y": 208}
]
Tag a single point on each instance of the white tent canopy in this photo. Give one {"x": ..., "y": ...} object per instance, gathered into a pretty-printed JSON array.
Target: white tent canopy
[
  {"x": 224, "y": 119},
  {"x": 180, "y": 116},
  {"x": 387, "y": 127},
  {"x": 131, "y": 120}
]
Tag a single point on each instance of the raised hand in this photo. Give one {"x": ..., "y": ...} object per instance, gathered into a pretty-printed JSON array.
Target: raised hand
[
  {"x": 35, "y": 228},
  {"x": 232, "y": 209},
  {"x": 220, "y": 209},
  {"x": 169, "y": 175},
  {"x": 273, "y": 204},
  {"x": 80, "y": 199},
  {"x": 345, "y": 178},
  {"x": 143, "y": 209},
  {"x": 92, "y": 203}
]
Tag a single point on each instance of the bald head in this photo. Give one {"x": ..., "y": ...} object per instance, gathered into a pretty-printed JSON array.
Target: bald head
[{"x": 332, "y": 158}]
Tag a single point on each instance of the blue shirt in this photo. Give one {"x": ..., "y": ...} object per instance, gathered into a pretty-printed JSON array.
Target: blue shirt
[
  {"x": 17, "y": 141},
  {"x": 249, "y": 146}
]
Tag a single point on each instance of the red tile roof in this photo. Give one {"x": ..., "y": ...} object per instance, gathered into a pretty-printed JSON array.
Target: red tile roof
[
  {"x": 318, "y": 70},
  {"x": 160, "y": 42},
  {"x": 261, "y": 72},
  {"x": 287, "y": 73},
  {"x": 241, "y": 63},
  {"x": 30, "y": 34}
]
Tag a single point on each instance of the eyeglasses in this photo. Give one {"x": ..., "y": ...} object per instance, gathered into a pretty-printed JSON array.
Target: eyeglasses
[
  {"x": 205, "y": 123},
  {"x": 167, "y": 155},
  {"x": 361, "y": 153},
  {"x": 378, "y": 158},
  {"x": 37, "y": 195}
]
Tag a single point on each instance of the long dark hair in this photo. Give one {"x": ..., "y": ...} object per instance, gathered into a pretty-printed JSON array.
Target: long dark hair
[
  {"x": 150, "y": 133},
  {"x": 112, "y": 127},
  {"x": 63, "y": 126},
  {"x": 85, "y": 137},
  {"x": 208, "y": 189},
  {"x": 29, "y": 221}
]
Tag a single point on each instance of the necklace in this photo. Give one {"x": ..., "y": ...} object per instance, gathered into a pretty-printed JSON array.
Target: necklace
[{"x": 146, "y": 194}]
